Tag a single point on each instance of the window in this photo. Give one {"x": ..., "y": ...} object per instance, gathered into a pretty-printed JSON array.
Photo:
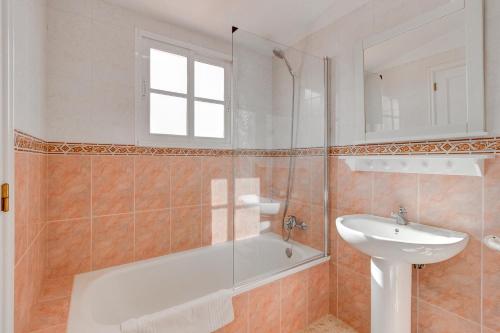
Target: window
[{"x": 182, "y": 94}]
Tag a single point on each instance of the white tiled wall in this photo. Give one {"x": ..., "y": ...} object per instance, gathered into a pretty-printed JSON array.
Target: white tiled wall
[
  {"x": 29, "y": 43},
  {"x": 91, "y": 69},
  {"x": 309, "y": 101},
  {"x": 90, "y": 72},
  {"x": 253, "y": 79},
  {"x": 338, "y": 40}
]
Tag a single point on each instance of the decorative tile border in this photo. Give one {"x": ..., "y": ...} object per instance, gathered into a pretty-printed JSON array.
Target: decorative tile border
[
  {"x": 465, "y": 146},
  {"x": 26, "y": 142},
  {"x": 115, "y": 149},
  {"x": 280, "y": 152}
]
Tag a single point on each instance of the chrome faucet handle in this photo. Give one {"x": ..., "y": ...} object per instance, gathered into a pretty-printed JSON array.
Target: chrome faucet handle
[
  {"x": 292, "y": 222},
  {"x": 302, "y": 226},
  {"x": 401, "y": 212},
  {"x": 401, "y": 216}
]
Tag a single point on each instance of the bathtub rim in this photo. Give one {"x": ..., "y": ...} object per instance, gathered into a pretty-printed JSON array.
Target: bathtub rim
[{"x": 274, "y": 276}]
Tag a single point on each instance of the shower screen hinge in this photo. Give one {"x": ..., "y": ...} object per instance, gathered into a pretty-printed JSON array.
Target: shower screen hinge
[{"x": 5, "y": 198}]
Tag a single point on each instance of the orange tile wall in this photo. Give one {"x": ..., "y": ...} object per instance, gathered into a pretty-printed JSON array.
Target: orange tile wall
[
  {"x": 30, "y": 234},
  {"x": 110, "y": 210},
  {"x": 284, "y": 306},
  {"x": 460, "y": 295},
  {"x": 306, "y": 199},
  {"x": 76, "y": 213}
]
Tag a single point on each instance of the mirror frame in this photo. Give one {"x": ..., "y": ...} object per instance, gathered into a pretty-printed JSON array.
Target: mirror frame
[{"x": 474, "y": 53}]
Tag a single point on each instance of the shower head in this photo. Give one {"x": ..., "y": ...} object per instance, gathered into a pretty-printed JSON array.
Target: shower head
[{"x": 281, "y": 55}]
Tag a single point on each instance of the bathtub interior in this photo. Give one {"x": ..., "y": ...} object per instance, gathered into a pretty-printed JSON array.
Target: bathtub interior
[
  {"x": 103, "y": 299},
  {"x": 154, "y": 285},
  {"x": 256, "y": 258}
]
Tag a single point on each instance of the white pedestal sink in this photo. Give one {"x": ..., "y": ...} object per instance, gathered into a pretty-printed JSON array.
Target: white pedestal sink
[{"x": 394, "y": 248}]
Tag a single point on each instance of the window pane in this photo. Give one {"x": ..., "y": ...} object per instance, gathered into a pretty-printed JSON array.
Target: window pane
[
  {"x": 208, "y": 120},
  {"x": 168, "y": 115},
  {"x": 208, "y": 81},
  {"x": 168, "y": 71}
]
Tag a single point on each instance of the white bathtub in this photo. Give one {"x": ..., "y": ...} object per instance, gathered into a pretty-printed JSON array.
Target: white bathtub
[{"x": 101, "y": 300}]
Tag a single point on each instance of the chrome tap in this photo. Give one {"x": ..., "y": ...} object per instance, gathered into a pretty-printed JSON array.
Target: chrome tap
[
  {"x": 292, "y": 222},
  {"x": 289, "y": 224},
  {"x": 401, "y": 216}
]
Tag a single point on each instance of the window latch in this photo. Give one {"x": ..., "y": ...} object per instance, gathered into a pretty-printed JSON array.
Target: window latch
[{"x": 144, "y": 88}]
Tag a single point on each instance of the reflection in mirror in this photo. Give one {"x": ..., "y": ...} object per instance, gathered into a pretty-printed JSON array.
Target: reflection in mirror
[{"x": 417, "y": 79}]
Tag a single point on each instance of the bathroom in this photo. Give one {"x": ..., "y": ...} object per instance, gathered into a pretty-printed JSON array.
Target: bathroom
[{"x": 250, "y": 166}]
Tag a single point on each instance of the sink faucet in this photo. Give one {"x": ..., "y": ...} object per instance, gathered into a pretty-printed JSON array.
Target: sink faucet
[{"x": 401, "y": 216}]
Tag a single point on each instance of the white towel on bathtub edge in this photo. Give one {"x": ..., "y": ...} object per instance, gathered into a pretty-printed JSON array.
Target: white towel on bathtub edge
[{"x": 202, "y": 315}]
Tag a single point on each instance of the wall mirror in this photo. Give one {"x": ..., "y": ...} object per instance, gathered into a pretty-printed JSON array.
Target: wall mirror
[{"x": 424, "y": 79}]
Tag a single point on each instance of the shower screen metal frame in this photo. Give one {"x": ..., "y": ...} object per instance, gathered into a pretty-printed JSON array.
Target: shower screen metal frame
[{"x": 326, "y": 164}]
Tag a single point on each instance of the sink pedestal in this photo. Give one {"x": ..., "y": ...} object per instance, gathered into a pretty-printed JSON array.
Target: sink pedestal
[
  {"x": 390, "y": 296},
  {"x": 399, "y": 246}
]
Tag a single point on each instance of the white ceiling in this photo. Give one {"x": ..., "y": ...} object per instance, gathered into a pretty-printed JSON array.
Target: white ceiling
[{"x": 284, "y": 21}]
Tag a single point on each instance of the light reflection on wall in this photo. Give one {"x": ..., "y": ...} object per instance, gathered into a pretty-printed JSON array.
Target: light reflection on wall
[
  {"x": 220, "y": 225},
  {"x": 246, "y": 218},
  {"x": 219, "y": 218},
  {"x": 219, "y": 188}
]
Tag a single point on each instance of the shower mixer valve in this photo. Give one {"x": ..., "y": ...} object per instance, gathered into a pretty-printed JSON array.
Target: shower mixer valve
[{"x": 291, "y": 222}]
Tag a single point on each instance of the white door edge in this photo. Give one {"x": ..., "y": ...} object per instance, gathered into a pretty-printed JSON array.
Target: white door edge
[{"x": 6, "y": 170}]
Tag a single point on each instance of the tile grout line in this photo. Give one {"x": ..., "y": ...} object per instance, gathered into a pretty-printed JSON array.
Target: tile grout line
[
  {"x": 336, "y": 238},
  {"x": 46, "y": 177},
  {"x": 418, "y": 272},
  {"x": 201, "y": 199},
  {"x": 337, "y": 291},
  {"x": 120, "y": 214},
  {"x": 372, "y": 191},
  {"x": 247, "y": 314},
  {"x": 91, "y": 214},
  {"x": 35, "y": 238},
  {"x": 134, "y": 254},
  {"x": 170, "y": 201},
  {"x": 453, "y": 314},
  {"x": 307, "y": 296},
  {"x": 30, "y": 246},
  {"x": 280, "y": 291},
  {"x": 483, "y": 218}
]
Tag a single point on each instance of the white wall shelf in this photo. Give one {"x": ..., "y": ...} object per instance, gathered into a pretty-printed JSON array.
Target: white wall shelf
[
  {"x": 493, "y": 242},
  {"x": 463, "y": 165}
]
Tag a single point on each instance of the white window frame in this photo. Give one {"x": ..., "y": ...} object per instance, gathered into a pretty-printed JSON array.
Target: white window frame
[{"x": 146, "y": 40}]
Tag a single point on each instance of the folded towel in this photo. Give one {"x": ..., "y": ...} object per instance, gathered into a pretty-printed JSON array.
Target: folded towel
[{"x": 202, "y": 315}]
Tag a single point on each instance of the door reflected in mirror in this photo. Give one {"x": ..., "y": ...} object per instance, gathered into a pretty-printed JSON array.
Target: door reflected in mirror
[{"x": 417, "y": 79}]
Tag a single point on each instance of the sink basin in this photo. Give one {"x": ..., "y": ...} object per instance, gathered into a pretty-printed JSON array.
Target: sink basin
[
  {"x": 413, "y": 243},
  {"x": 393, "y": 248}
]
